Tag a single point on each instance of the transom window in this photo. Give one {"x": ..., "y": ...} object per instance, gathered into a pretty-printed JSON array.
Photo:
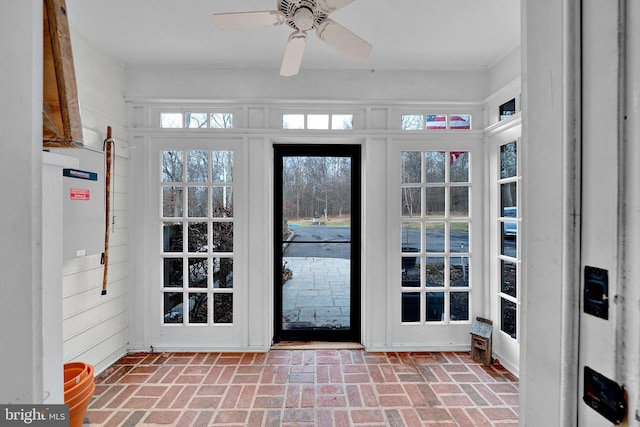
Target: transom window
[
  {"x": 318, "y": 121},
  {"x": 196, "y": 120},
  {"x": 435, "y": 121},
  {"x": 197, "y": 236},
  {"x": 435, "y": 236}
]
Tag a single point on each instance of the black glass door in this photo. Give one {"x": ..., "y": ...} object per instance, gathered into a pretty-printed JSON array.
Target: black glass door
[{"x": 317, "y": 242}]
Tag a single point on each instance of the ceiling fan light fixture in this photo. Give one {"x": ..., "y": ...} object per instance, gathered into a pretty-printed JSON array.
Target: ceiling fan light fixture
[{"x": 303, "y": 19}]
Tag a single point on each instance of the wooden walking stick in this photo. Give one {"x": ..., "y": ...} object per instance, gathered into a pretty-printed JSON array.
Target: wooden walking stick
[{"x": 108, "y": 150}]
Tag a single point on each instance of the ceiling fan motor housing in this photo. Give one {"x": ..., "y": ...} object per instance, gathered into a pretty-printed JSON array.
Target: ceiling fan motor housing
[{"x": 302, "y": 15}]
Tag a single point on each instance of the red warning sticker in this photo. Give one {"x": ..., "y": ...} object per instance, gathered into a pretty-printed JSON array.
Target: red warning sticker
[{"x": 79, "y": 194}]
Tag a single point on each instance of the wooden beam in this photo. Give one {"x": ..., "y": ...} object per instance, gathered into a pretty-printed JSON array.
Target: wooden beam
[{"x": 61, "y": 111}]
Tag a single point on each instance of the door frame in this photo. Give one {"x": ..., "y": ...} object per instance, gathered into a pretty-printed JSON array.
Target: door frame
[{"x": 354, "y": 151}]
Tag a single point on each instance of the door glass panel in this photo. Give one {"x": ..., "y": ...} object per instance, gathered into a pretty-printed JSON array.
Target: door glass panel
[
  {"x": 459, "y": 161},
  {"x": 411, "y": 202},
  {"x": 198, "y": 203},
  {"x": 198, "y": 272},
  {"x": 509, "y": 239},
  {"x": 171, "y": 202},
  {"x": 197, "y": 162},
  {"x": 411, "y": 167},
  {"x": 411, "y": 307},
  {"x": 459, "y": 238},
  {"x": 435, "y": 272},
  {"x": 435, "y": 237},
  {"x": 316, "y": 254},
  {"x": 222, "y": 308},
  {"x": 508, "y": 160},
  {"x": 435, "y": 166},
  {"x": 198, "y": 311},
  {"x": 459, "y": 306},
  {"x": 172, "y": 272},
  {"x": 508, "y": 278},
  {"x": 459, "y": 201},
  {"x": 173, "y": 307},
  {"x": 435, "y": 201},
  {"x": 435, "y": 306},
  {"x": 459, "y": 271},
  {"x": 508, "y": 315},
  {"x": 508, "y": 199},
  {"x": 172, "y": 237}
]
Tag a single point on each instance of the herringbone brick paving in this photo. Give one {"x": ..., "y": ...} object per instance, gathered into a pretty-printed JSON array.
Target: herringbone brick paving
[{"x": 304, "y": 388}]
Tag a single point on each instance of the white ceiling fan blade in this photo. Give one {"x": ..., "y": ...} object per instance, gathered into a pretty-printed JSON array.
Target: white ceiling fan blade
[
  {"x": 343, "y": 40},
  {"x": 239, "y": 20},
  {"x": 293, "y": 54},
  {"x": 332, "y": 5}
]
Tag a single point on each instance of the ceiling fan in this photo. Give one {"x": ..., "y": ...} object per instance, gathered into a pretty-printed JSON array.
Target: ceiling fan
[{"x": 302, "y": 16}]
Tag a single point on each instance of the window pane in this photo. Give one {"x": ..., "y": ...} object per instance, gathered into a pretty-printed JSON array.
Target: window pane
[
  {"x": 410, "y": 236},
  {"x": 435, "y": 166},
  {"x": 293, "y": 121},
  {"x": 221, "y": 120},
  {"x": 410, "y": 268},
  {"x": 197, "y": 237},
  {"x": 508, "y": 278},
  {"x": 435, "y": 306},
  {"x": 436, "y": 121},
  {"x": 508, "y": 200},
  {"x": 435, "y": 237},
  {"x": 508, "y": 316},
  {"x": 318, "y": 121},
  {"x": 222, "y": 236},
  {"x": 459, "y": 237},
  {"x": 222, "y": 166},
  {"x": 173, "y": 307},
  {"x": 223, "y": 273},
  {"x": 197, "y": 162},
  {"x": 435, "y": 202},
  {"x": 459, "y": 306},
  {"x": 172, "y": 273},
  {"x": 411, "y": 166},
  {"x": 172, "y": 237},
  {"x": 198, "y": 272},
  {"x": 195, "y": 120},
  {"x": 222, "y": 308},
  {"x": 198, "y": 312},
  {"x": 222, "y": 200},
  {"x": 507, "y": 109},
  {"x": 412, "y": 122},
  {"x": 172, "y": 166},
  {"x": 170, "y": 120},
  {"x": 459, "y": 161},
  {"x": 460, "y": 121},
  {"x": 342, "y": 121},
  {"x": 172, "y": 201},
  {"x": 509, "y": 239},
  {"x": 197, "y": 202},
  {"x": 411, "y": 204},
  {"x": 459, "y": 271},
  {"x": 435, "y": 272},
  {"x": 459, "y": 203},
  {"x": 411, "y": 307},
  {"x": 508, "y": 160}
]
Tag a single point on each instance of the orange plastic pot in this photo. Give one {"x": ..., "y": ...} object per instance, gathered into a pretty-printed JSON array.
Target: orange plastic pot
[
  {"x": 78, "y": 410},
  {"x": 74, "y": 372},
  {"x": 81, "y": 386}
]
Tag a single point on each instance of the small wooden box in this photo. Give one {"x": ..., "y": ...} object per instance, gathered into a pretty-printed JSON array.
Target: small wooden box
[{"x": 481, "y": 345}]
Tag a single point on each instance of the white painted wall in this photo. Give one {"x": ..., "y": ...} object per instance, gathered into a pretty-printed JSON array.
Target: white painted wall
[
  {"x": 20, "y": 210},
  {"x": 194, "y": 83},
  {"x": 95, "y": 328}
]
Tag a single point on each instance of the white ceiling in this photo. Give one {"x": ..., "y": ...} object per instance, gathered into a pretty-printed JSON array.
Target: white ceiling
[{"x": 405, "y": 34}]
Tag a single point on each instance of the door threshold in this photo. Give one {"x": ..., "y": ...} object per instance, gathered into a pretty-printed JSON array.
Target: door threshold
[{"x": 316, "y": 345}]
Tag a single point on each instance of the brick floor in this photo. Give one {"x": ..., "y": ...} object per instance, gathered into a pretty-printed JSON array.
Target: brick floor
[{"x": 322, "y": 388}]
